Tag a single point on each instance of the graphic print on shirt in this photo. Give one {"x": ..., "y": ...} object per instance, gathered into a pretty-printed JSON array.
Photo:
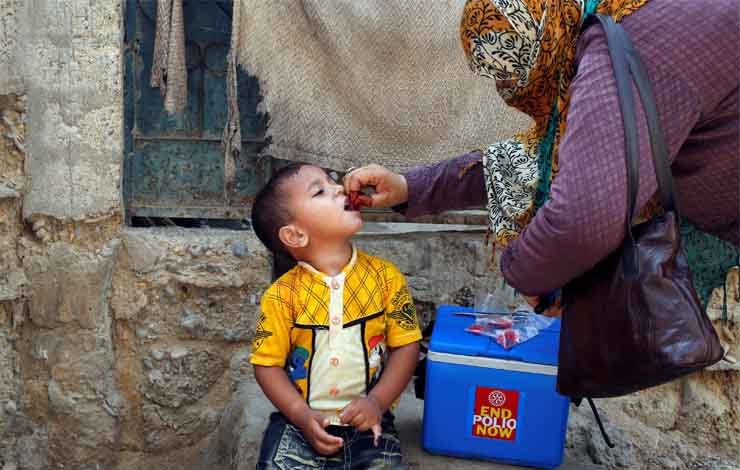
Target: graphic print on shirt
[
  {"x": 404, "y": 311},
  {"x": 297, "y": 364},
  {"x": 376, "y": 356},
  {"x": 260, "y": 333}
]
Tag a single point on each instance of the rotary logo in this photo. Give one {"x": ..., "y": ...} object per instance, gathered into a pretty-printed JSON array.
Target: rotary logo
[{"x": 496, "y": 398}]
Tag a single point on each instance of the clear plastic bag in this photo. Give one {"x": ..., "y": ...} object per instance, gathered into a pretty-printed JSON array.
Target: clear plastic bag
[
  {"x": 503, "y": 299},
  {"x": 510, "y": 329}
]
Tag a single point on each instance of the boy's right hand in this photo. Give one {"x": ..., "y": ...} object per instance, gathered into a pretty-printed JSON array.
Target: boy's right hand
[{"x": 312, "y": 425}]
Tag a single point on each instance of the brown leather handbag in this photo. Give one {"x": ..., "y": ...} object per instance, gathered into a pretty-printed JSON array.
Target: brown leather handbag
[{"x": 634, "y": 320}]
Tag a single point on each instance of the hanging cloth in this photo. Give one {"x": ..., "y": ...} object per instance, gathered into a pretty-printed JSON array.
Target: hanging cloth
[
  {"x": 169, "y": 70},
  {"x": 348, "y": 83}
]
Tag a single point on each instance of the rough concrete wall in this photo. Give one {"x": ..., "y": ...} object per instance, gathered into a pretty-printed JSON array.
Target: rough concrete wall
[
  {"x": 71, "y": 65},
  {"x": 184, "y": 304},
  {"x": 116, "y": 350},
  {"x": 10, "y": 74},
  {"x": 14, "y": 427}
]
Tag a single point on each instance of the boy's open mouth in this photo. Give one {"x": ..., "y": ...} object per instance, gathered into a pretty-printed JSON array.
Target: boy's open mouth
[{"x": 356, "y": 200}]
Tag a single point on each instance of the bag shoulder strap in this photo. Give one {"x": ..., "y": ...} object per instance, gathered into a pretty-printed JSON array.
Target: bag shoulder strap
[
  {"x": 657, "y": 137},
  {"x": 626, "y": 60}
]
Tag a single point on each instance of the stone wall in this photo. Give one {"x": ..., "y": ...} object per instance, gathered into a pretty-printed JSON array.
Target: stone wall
[
  {"x": 10, "y": 75},
  {"x": 14, "y": 427},
  {"x": 121, "y": 348}
]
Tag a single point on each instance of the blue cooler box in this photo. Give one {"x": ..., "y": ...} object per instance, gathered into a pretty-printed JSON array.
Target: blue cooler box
[{"x": 482, "y": 401}]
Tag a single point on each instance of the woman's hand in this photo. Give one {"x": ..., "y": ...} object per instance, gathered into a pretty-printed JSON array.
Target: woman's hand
[
  {"x": 390, "y": 188},
  {"x": 554, "y": 310}
]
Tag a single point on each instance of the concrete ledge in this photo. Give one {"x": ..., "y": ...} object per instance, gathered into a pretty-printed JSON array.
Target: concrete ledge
[{"x": 388, "y": 228}]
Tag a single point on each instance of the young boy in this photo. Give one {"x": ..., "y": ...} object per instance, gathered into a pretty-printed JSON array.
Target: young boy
[{"x": 325, "y": 326}]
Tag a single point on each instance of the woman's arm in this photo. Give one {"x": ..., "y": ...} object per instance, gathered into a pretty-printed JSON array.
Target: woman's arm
[
  {"x": 456, "y": 183},
  {"x": 452, "y": 184}
]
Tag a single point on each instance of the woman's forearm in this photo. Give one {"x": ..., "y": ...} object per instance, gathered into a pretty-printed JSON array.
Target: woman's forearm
[{"x": 448, "y": 185}]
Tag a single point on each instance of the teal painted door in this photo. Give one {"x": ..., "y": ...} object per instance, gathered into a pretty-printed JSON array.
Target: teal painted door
[{"x": 174, "y": 164}]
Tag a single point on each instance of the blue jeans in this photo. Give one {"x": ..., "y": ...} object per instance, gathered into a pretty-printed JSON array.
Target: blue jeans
[{"x": 284, "y": 448}]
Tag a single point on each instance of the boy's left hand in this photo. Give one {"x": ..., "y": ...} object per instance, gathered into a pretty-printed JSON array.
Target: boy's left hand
[{"x": 363, "y": 413}]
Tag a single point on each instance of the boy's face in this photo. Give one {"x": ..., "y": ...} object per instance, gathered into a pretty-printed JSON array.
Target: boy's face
[{"x": 318, "y": 206}]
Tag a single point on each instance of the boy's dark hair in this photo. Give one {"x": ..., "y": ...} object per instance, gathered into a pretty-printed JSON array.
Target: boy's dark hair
[{"x": 270, "y": 211}]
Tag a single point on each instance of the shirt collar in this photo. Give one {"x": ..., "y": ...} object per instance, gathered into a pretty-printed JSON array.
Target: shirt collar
[{"x": 342, "y": 273}]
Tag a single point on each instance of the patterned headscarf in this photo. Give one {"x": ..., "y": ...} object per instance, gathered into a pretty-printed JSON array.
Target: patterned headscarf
[{"x": 528, "y": 47}]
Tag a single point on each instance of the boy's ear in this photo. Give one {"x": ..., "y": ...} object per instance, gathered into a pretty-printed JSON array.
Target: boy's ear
[{"x": 292, "y": 236}]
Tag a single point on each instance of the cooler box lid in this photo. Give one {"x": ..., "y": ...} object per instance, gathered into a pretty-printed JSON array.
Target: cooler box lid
[{"x": 449, "y": 336}]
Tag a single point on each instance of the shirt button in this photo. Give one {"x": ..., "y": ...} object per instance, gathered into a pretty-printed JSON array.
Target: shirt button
[
  {"x": 334, "y": 361},
  {"x": 334, "y": 284},
  {"x": 336, "y": 321}
]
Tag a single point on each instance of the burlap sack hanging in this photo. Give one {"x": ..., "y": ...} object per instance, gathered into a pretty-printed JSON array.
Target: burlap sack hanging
[{"x": 348, "y": 83}]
